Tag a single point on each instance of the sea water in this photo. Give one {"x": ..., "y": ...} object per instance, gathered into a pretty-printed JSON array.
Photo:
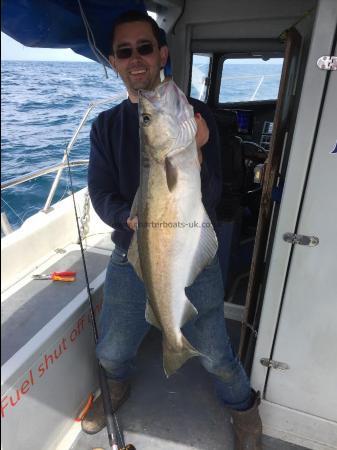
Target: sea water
[{"x": 43, "y": 104}]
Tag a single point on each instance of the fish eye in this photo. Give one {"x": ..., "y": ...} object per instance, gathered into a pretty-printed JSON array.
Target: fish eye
[{"x": 146, "y": 119}]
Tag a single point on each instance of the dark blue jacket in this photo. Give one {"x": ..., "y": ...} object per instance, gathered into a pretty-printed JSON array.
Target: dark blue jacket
[{"x": 113, "y": 175}]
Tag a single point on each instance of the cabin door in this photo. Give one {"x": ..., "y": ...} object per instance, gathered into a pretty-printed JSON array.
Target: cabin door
[{"x": 306, "y": 334}]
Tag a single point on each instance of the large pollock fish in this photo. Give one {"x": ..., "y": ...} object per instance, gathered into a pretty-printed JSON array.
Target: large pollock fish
[{"x": 175, "y": 239}]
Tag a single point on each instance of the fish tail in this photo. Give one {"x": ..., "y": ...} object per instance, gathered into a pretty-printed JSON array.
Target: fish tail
[{"x": 174, "y": 359}]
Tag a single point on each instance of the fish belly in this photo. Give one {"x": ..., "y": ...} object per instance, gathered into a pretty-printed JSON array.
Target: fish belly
[{"x": 175, "y": 241}]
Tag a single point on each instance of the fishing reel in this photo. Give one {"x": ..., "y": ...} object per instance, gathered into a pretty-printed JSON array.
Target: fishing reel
[{"x": 127, "y": 447}]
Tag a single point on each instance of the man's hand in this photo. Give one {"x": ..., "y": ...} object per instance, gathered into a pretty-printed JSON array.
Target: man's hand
[
  {"x": 132, "y": 223},
  {"x": 202, "y": 135}
]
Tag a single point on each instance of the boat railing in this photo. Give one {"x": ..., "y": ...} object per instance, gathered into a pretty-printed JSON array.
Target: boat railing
[
  {"x": 6, "y": 227},
  {"x": 39, "y": 173},
  {"x": 58, "y": 168},
  {"x": 72, "y": 141}
]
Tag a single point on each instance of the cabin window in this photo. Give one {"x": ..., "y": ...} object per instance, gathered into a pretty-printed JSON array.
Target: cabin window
[
  {"x": 250, "y": 79},
  {"x": 200, "y": 76}
]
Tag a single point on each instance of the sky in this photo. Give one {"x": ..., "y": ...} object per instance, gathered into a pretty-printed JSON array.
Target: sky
[{"x": 13, "y": 50}]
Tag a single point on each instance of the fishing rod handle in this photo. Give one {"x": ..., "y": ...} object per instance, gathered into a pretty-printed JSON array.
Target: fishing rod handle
[{"x": 108, "y": 411}]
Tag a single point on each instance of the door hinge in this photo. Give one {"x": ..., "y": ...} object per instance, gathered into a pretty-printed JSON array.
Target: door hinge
[
  {"x": 270, "y": 363},
  {"x": 327, "y": 63},
  {"x": 301, "y": 239}
]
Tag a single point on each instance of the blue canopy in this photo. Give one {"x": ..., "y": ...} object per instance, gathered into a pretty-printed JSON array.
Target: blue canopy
[{"x": 59, "y": 23}]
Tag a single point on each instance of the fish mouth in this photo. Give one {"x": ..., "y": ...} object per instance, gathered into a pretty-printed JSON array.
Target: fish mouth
[
  {"x": 156, "y": 93},
  {"x": 155, "y": 96}
]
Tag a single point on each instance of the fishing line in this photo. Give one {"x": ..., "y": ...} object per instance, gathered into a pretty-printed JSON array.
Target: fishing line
[
  {"x": 65, "y": 189},
  {"x": 12, "y": 209},
  {"x": 111, "y": 419},
  {"x": 31, "y": 211}
]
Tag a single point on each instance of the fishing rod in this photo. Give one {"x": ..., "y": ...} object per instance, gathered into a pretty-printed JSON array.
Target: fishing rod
[{"x": 115, "y": 436}]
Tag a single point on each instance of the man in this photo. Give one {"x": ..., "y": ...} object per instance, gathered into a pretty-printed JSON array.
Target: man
[{"x": 113, "y": 179}]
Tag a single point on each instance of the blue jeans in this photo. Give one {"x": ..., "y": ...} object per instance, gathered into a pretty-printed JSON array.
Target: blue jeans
[
  {"x": 225, "y": 235},
  {"x": 122, "y": 327}
]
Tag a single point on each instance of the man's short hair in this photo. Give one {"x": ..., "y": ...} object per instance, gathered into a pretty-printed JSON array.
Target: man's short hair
[{"x": 138, "y": 16}]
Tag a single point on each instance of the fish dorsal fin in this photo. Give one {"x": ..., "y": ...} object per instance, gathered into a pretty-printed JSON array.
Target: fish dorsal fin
[
  {"x": 133, "y": 256},
  {"x": 133, "y": 252},
  {"x": 171, "y": 174}
]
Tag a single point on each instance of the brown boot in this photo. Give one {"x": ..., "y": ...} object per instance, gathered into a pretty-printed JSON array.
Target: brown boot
[
  {"x": 247, "y": 427},
  {"x": 94, "y": 421}
]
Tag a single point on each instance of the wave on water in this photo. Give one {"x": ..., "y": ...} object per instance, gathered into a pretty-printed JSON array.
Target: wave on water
[{"x": 42, "y": 105}]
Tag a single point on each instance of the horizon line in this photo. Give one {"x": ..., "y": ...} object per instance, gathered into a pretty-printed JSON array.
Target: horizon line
[
  {"x": 48, "y": 60},
  {"x": 96, "y": 62}
]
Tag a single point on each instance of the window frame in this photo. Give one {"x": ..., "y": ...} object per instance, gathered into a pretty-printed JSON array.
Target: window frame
[{"x": 210, "y": 68}]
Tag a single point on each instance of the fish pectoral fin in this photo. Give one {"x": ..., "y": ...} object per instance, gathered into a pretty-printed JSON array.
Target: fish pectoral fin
[
  {"x": 150, "y": 316},
  {"x": 171, "y": 174},
  {"x": 174, "y": 359},
  {"x": 133, "y": 256},
  {"x": 206, "y": 250},
  {"x": 187, "y": 132}
]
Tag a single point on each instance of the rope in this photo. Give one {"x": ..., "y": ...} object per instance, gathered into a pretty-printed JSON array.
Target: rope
[
  {"x": 92, "y": 43},
  {"x": 283, "y": 35}
]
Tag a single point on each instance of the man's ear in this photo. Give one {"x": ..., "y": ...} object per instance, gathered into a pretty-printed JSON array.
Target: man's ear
[{"x": 163, "y": 55}]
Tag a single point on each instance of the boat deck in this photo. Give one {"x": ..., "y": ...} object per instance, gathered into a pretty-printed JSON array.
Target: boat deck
[
  {"x": 37, "y": 302},
  {"x": 178, "y": 413}
]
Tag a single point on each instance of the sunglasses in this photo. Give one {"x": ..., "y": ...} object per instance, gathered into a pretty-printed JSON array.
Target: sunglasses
[{"x": 143, "y": 50}]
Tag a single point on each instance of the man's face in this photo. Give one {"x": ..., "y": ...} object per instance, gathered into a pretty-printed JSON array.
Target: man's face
[{"x": 138, "y": 71}]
